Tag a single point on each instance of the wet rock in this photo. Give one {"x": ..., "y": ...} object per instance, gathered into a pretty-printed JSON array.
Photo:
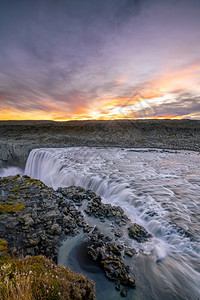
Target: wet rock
[
  {"x": 110, "y": 260},
  {"x": 129, "y": 252},
  {"x": 52, "y": 214},
  {"x": 30, "y": 251},
  {"x": 120, "y": 247},
  {"x": 67, "y": 220},
  {"x": 117, "y": 286},
  {"x": 27, "y": 220},
  {"x": 100, "y": 210},
  {"x": 118, "y": 233},
  {"x": 33, "y": 241},
  {"x": 55, "y": 229},
  {"x": 86, "y": 229},
  {"x": 138, "y": 233},
  {"x": 108, "y": 238},
  {"x": 123, "y": 292},
  {"x": 12, "y": 224},
  {"x": 152, "y": 213}
]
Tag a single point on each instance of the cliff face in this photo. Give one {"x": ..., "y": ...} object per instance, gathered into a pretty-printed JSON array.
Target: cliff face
[
  {"x": 13, "y": 152},
  {"x": 17, "y": 139}
]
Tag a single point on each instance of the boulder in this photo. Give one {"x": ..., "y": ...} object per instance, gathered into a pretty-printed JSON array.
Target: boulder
[{"x": 138, "y": 233}]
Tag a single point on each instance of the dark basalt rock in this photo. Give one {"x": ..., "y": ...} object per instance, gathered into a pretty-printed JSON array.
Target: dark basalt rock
[
  {"x": 117, "y": 286},
  {"x": 100, "y": 210},
  {"x": 129, "y": 252},
  {"x": 76, "y": 194},
  {"x": 34, "y": 219},
  {"x": 110, "y": 259},
  {"x": 138, "y": 233},
  {"x": 123, "y": 292}
]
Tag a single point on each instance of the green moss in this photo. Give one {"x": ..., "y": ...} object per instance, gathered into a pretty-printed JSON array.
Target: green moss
[
  {"x": 16, "y": 176},
  {"x": 5, "y": 179},
  {"x": 12, "y": 197},
  {"x": 17, "y": 189},
  {"x": 13, "y": 207},
  {"x": 3, "y": 245}
]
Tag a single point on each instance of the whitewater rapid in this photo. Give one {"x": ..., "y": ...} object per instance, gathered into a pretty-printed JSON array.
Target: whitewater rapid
[
  {"x": 10, "y": 171},
  {"x": 156, "y": 188}
]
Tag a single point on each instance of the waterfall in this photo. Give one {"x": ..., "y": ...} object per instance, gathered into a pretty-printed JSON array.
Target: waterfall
[
  {"x": 158, "y": 190},
  {"x": 145, "y": 185},
  {"x": 45, "y": 165}
]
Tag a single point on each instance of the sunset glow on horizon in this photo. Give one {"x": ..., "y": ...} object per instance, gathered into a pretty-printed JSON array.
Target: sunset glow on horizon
[{"x": 99, "y": 60}]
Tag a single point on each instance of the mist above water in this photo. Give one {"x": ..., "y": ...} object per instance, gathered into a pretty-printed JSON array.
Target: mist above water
[
  {"x": 157, "y": 189},
  {"x": 10, "y": 171}
]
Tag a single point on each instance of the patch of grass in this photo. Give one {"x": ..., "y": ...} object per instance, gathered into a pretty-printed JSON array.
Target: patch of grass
[
  {"x": 38, "y": 278},
  {"x": 3, "y": 245}
]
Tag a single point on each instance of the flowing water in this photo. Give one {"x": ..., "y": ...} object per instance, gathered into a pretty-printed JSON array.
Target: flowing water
[
  {"x": 156, "y": 188},
  {"x": 10, "y": 171}
]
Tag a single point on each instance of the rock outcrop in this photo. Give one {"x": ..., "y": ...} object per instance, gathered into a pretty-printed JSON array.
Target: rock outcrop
[{"x": 34, "y": 219}]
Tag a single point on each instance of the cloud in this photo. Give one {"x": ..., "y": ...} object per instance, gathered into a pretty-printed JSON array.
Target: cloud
[
  {"x": 128, "y": 9},
  {"x": 76, "y": 56},
  {"x": 184, "y": 105}
]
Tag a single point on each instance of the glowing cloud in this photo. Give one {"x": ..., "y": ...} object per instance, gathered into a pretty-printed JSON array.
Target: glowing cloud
[{"x": 99, "y": 59}]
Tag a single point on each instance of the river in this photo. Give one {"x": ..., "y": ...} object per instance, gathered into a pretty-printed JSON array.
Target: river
[{"x": 158, "y": 189}]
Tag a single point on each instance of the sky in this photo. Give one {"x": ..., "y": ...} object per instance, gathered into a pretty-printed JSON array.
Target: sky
[{"x": 99, "y": 59}]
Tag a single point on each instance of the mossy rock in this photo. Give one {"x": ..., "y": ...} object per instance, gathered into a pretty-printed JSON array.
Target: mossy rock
[
  {"x": 11, "y": 207},
  {"x": 138, "y": 233}
]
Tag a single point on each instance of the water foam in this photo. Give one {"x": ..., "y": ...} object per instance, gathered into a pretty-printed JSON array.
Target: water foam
[
  {"x": 10, "y": 171},
  {"x": 159, "y": 190},
  {"x": 144, "y": 184}
]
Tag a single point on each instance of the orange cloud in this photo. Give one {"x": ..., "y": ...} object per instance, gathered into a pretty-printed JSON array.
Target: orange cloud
[
  {"x": 182, "y": 79},
  {"x": 122, "y": 79},
  {"x": 154, "y": 93},
  {"x": 32, "y": 115}
]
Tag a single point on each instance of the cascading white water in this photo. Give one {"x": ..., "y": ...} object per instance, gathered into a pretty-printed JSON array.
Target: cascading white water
[
  {"x": 158, "y": 189},
  {"x": 10, "y": 171}
]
